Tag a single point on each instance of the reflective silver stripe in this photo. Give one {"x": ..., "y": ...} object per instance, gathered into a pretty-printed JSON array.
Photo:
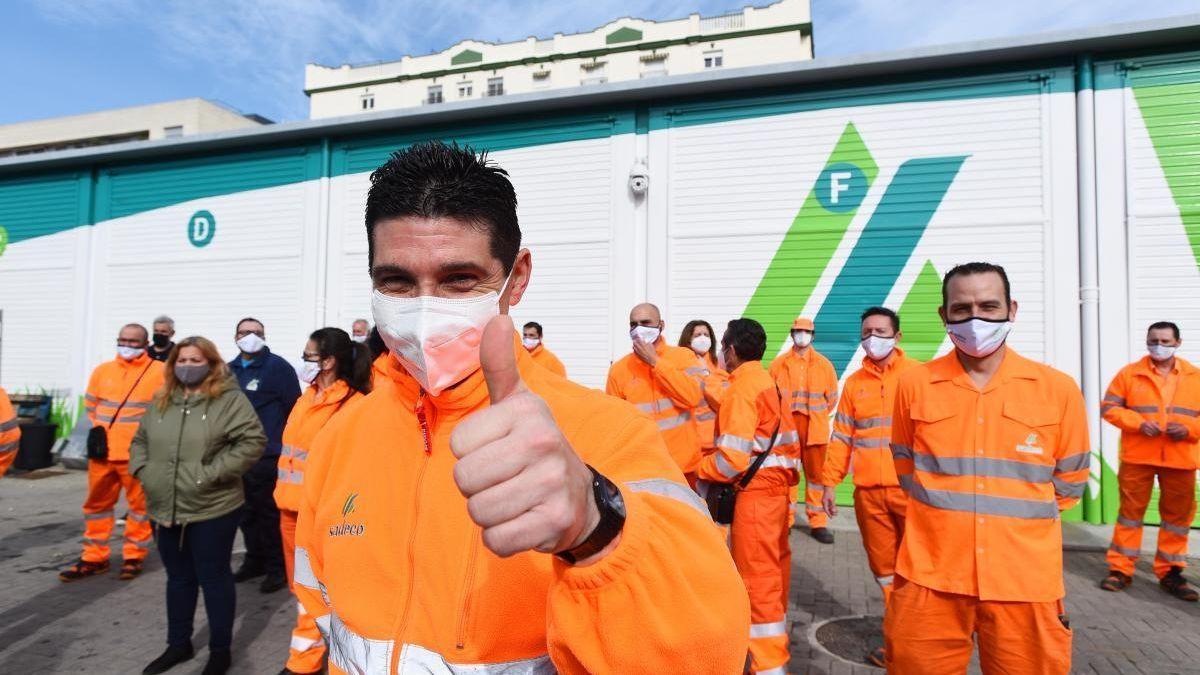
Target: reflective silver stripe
[
  {"x": 285, "y": 450},
  {"x": 817, "y": 407},
  {"x": 303, "y": 573},
  {"x": 706, "y": 416},
  {"x": 811, "y": 505},
  {"x": 1125, "y": 522},
  {"x": 1113, "y": 398},
  {"x": 104, "y": 418},
  {"x": 281, "y": 475},
  {"x": 138, "y": 517},
  {"x": 354, "y": 653},
  {"x": 880, "y": 442},
  {"x": 1127, "y": 552},
  {"x": 670, "y": 490},
  {"x": 1070, "y": 463},
  {"x": 656, "y": 406},
  {"x": 1188, "y": 412},
  {"x": 95, "y": 542},
  {"x": 323, "y": 624},
  {"x": 778, "y": 670},
  {"x": 901, "y": 451},
  {"x": 839, "y": 436},
  {"x": 672, "y": 422},
  {"x": 724, "y": 466},
  {"x": 885, "y": 581},
  {"x": 1144, "y": 408},
  {"x": 985, "y": 504},
  {"x": 762, "y": 630},
  {"x": 417, "y": 660},
  {"x": 1105, "y": 407},
  {"x": 301, "y": 455},
  {"x": 8, "y": 425},
  {"x": 6, "y": 448},
  {"x": 808, "y": 394},
  {"x": 735, "y": 443},
  {"x": 983, "y": 466},
  {"x": 777, "y": 461},
  {"x": 1068, "y": 490},
  {"x": 906, "y": 481},
  {"x": 1170, "y": 557},
  {"x": 787, "y": 438},
  {"x": 90, "y": 398},
  {"x": 303, "y": 644},
  {"x": 696, "y": 370},
  {"x": 872, "y": 422},
  {"x": 843, "y": 418},
  {"x": 1181, "y": 530},
  {"x": 98, "y": 516},
  {"x": 143, "y": 544},
  {"x": 136, "y": 405},
  {"x": 761, "y": 443}
]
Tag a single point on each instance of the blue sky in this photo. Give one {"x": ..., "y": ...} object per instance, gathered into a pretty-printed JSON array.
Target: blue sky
[{"x": 60, "y": 57}]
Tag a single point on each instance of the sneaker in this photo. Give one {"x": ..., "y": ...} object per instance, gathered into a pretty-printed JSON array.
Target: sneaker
[
  {"x": 219, "y": 661},
  {"x": 822, "y": 534},
  {"x": 82, "y": 569},
  {"x": 272, "y": 583},
  {"x": 876, "y": 658},
  {"x": 130, "y": 569},
  {"x": 1176, "y": 585},
  {"x": 1116, "y": 581},
  {"x": 247, "y": 572},
  {"x": 173, "y": 656}
]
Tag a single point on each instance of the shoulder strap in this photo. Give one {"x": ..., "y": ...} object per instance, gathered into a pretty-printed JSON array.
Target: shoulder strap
[
  {"x": 762, "y": 456},
  {"x": 129, "y": 393}
]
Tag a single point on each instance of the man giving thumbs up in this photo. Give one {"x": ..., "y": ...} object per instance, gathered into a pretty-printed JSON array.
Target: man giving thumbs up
[{"x": 478, "y": 511}]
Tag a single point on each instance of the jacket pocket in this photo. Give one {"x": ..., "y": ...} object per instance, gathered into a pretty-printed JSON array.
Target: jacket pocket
[{"x": 1030, "y": 429}]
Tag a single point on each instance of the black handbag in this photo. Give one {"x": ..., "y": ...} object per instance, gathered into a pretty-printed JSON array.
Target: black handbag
[
  {"x": 722, "y": 497},
  {"x": 97, "y": 438}
]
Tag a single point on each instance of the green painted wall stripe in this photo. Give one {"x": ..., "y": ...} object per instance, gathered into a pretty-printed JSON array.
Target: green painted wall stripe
[
  {"x": 919, "y": 320},
  {"x": 1172, "y": 116}
]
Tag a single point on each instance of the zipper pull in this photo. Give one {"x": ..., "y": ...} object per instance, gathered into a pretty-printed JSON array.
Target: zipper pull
[{"x": 423, "y": 420}]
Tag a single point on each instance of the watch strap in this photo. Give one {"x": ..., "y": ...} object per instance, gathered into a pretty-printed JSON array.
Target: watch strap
[{"x": 612, "y": 521}]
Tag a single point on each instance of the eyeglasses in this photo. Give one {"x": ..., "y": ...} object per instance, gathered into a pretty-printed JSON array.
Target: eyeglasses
[
  {"x": 309, "y": 356},
  {"x": 243, "y": 333},
  {"x": 126, "y": 342}
]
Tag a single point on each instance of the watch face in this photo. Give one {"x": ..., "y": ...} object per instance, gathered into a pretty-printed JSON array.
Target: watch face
[{"x": 615, "y": 500}]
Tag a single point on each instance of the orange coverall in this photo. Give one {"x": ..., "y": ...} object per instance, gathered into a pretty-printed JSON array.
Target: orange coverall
[
  {"x": 809, "y": 386},
  {"x": 667, "y": 394},
  {"x": 713, "y": 382},
  {"x": 10, "y": 433},
  {"x": 546, "y": 359}
]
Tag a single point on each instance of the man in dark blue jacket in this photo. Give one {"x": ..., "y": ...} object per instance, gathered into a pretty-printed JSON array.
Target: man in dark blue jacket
[{"x": 271, "y": 384}]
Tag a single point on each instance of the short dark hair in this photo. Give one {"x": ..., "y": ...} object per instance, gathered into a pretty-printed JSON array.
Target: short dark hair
[
  {"x": 1164, "y": 324},
  {"x": 353, "y": 359},
  {"x": 435, "y": 180},
  {"x": 249, "y": 318},
  {"x": 534, "y": 324},
  {"x": 882, "y": 311},
  {"x": 145, "y": 333},
  {"x": 747, "y": 338},
  {"x": 977, "y": 268}
]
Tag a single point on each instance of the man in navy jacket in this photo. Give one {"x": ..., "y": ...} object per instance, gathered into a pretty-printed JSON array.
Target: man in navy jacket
[{"x": 271, "y": 384}]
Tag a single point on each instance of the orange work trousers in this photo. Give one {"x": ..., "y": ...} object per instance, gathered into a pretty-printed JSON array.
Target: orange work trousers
[
  {"x": 928, "y": 632},
  {"x": 307, "y": 651},
  {"x": 763, "y": 556},
  {"x": 1176, "y": 505},
  {"x": 105, "y": 480},
  {"x": 813, "y": 459},
  {"x": 880, "y": 514}
]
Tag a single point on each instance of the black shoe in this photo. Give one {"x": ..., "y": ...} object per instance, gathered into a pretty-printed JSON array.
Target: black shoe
[
  {"x": 82, "y": 569},
  {"x": 174, "y": 656},
  {"x": 822, "y": 534},
  {"x": 272, "y": 583},
  {"x": 1174, "y": 583},
  {"x": 219, "y": 661},
  {"x": 247, "y": 572}
]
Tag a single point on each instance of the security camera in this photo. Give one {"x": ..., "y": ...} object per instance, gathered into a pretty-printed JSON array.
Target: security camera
[{"x": 639, "y": 179}]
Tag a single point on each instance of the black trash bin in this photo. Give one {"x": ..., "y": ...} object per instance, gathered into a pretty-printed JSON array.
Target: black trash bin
[{"x": 37, "y": 439}]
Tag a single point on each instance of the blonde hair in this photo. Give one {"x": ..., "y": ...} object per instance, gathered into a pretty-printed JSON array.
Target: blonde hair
[{"x": 214, "y": 384}]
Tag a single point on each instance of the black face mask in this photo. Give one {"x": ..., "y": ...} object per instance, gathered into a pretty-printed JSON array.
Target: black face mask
[{"x": 160, "y": 340}]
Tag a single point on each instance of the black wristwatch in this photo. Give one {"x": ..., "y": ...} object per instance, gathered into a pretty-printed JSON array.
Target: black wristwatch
[{"x": 612, "y": 519}]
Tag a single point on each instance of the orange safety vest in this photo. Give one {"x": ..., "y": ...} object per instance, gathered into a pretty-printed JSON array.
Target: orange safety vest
[
  {"x": 396, "y": 574},
  {"x": 750, "y": 416},
  {"x": 809, "y": 387},
  {"x": 667, "y": 393},
  {"x": 1139, "y": 394},
  {"x": 862, "y": 427},
  {"x": 10, "y": 433},
  {"x": 987, "y": 472},
  {"x": 546, "y": 359},
  {"x": 713, "y": 382},
  {"x": 110, "y": 383},
  {"x": 308, "y": 417}
]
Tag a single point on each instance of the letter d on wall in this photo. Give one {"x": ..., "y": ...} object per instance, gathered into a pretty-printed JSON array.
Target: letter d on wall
[{"x": 201, "y": 229}]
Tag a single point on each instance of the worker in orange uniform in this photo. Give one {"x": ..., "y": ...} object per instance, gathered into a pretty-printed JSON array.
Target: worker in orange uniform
[
  {"x": 118, "y": 394},
  {"x": 532, "y": 340},
  {"x": 862, "y": 431},
  {"x": 990, "y": 447},
  {"x": 751, "y": 421},
  {"x": 809, "y": 386},
  {"x": 1155, "y": 402},
  {"x": 338, "y": 373},
  {"x": 478, "y": 512},
  {"x": 662, "y": 382},
  {"x": 10, "y": 433},
  {"x": 697, "y": 335}
]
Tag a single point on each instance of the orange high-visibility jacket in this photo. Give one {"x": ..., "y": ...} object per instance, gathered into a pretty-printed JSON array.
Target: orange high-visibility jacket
[
  {"x": 310, "y": 414},
  {"x": 987, "y": 473},
  {"x": 10, "y": 433},
  {"x": 1139, "y": 394},
  {"x": 809, "y": 386},
  {"x": 862, "y": 427},
  {"x": 108, "y": 386},
  {"x": 746, "y": 423},
  {"x": 396, "y": 573},
  {"x": 667, "y": 393},
  {"x": 546, "y": 359},
  {"x": 713, "y": 383}
]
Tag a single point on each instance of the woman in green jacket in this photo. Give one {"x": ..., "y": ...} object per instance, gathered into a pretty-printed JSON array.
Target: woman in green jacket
[{"x": 190, "y": 453}]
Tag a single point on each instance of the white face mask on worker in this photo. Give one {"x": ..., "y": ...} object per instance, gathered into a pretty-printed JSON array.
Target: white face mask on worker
[
  {"x": 801, "y": 338},
  {"x": 1161, "y": 352},
  {"x": 130, "y": 353},
  {"x": 307, "y": 371},
  {"x": 878, "y": 347},
  {"x": 978, "y": 337},
  {"x": 701, "y": 344},
  {"x": 251, "y": 343},
  {"x": 435, "y": 339},
  {"x": 531, "y": 343},
  {"x": 647, "y": 334}
]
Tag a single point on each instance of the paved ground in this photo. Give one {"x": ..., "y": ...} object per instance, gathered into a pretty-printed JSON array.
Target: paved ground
[{"x": 107, "y": 626}]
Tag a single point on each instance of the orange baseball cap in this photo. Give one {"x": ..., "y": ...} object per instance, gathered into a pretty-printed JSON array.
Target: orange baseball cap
[{"x": 803, "y": 324}]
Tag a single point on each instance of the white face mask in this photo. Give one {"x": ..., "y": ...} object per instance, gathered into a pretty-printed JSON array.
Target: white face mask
[
  {"x": 701, "y": 344},
  {"x": 359, "y": 338},
  {"x": 435, "y": 339},
  {"x": 250, "y": 343},
  {"x": 801, "y": 338},
  {"x": 307, "y": 371},
  {"x": 878, "y": 348},
  {"x": 531, "y": 343},
  {"x": 1160, "y": 352},
  {"x": 647, "y": 334},
  {"x": 130, "y": 353},
  {"x": 978, "y": 337}
]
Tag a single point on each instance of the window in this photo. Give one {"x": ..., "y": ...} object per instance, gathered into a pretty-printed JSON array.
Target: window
[
  {"x": 714, "y": 59},
  {"x": 434, "y": 94},
  {"x": 172, "y": 132},
  {"x": 465, "y": 89},
  {"x": 495, "y": 86},
  {"x": 368, "y": 101},
  {"x": 654, "y": 69}
]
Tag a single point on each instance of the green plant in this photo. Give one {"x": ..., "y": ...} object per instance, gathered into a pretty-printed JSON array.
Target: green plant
[{"x": 64, "y": 413}]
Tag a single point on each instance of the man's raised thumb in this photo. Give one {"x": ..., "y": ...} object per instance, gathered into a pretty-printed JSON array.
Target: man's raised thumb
[{"x": 498, "y": 359}]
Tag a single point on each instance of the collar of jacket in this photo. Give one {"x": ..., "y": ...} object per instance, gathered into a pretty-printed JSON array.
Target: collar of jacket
[
  {"x": 332, "y": 395},
  {"x": 1014, "y": 366},
  {"x": 1182, "y": 367},
  {"x": 137, "y": 364},
  {"x": 256, "y": 360},
  {"x": 177, "y": 395},
  {"x": 742, "y": 369},
  {"x": 873, "y": 368}
]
